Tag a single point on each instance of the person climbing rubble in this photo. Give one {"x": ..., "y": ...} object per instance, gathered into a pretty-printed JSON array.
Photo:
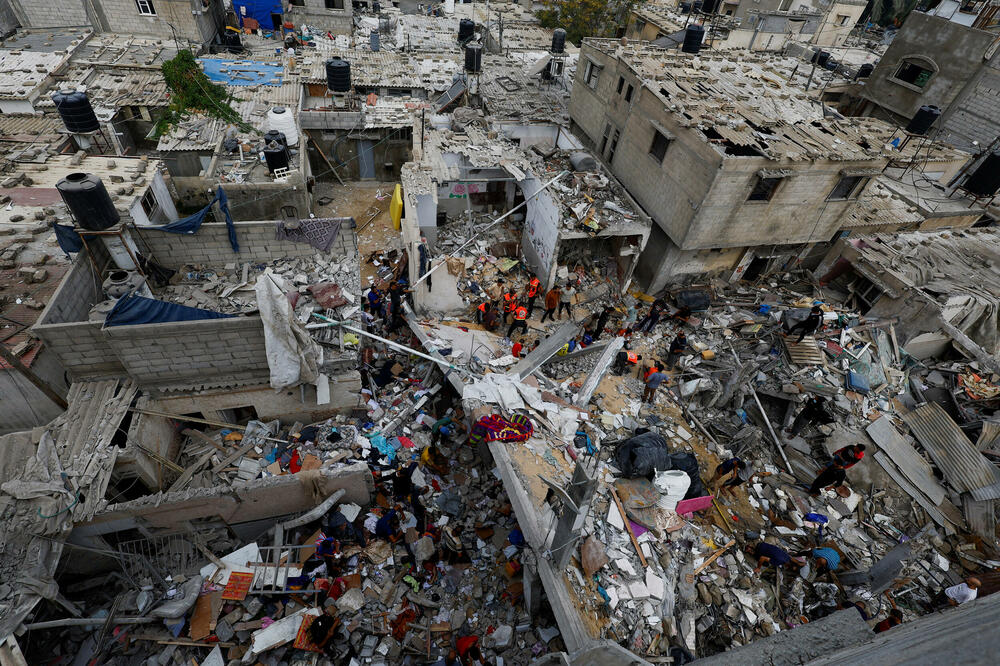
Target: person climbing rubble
[
  {"x": 520, "y": 321},
  {"x": 652, "y": 318},
  {"x": 813, "y": 412},
  {"x": 601, "y": 322},
  {"x": 957, "y": 595},
  {"x": 677, "y": 347},
  {"x": 849, "y": 456},
  {"x": 894, "y": 619},
  {"x": 739, "y": 472},
  {"x": 832, "y": 476},
  {"x": 807, "y": 326},
  {"x": 552, "y": 300},
  {"x": 625, "y": 358},
  {"x": 531, "y": 294},
  {"x": 825, "y": 558},
  {"x": 768, "y": 554},
  {"x": 653, "y": 382}
]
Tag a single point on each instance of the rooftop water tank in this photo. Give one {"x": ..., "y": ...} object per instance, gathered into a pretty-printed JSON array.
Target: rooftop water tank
[
  {"x": 88, "y": 200},
  {"x": 985, "y": 180},
  {"x": 374, "y": 41},
  {"x": 76, "y": 112},
  {"x": 693, "y": 37},
  {"x": 923, "y": 119},
  {"x": 473, "y": 58},
  {"x": 276, "y": 156},
  {"x": 709, "y": 6},
  {"x": 338, "y": 75},
  {"x": 685, "y": 8},
  {"x": 558, "y": 40},
  {"x": 865, "y": 71},
  {"x": 822, "y": 58},
  {"x": 276, "y": 136},
  {"x": 466, "y": 29},
  {"x": 279, "y": 119}
]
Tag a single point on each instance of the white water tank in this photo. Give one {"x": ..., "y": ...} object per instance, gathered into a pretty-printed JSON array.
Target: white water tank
[{"x": 281, "y": 119}]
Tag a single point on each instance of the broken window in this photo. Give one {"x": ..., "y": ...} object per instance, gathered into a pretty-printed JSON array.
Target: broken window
[
  {"x": 913, "y": 73},
  {"x": 764, "y": 188},
  {"x": 842, "y": 20},
  {"x": 628, "y": 93},
  {"x": 613, "y": 146},
  {"x": 148, "y": 202},
  {"x": 658, "y": 149},
  {"x": 621, "y": 84},
  {"x": 607, "y": 136},
  {"x": 849, "y": 187},
  {"x": 145, "y": 7},
  {"x": 591, "y": 74}
]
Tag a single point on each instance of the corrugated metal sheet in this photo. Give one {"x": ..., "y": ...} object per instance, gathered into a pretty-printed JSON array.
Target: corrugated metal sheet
[
  {"x": 981, "y": 517},
  {"x": 963, "y": 466}
]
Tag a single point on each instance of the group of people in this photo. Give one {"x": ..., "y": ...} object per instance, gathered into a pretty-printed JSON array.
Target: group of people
[
  {"x": 504, "y": 303},
  {"x": 385, "y": 304}
]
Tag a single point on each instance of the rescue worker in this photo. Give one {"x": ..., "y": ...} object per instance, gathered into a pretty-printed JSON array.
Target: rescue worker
[
  {"x": 509, "y": 303},
  {"x": 602, "y": 321},
  {"x": 534, "y": 285},
  {"x": 520, "y": 320},
  {"x": 677, "y": 347},
  {"x": 809, "y": 325},
  {"x": 624, "y": 359},
  {"x": 481, "y": 311}
]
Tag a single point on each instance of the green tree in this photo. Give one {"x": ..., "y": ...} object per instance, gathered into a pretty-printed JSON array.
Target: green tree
[
  {"x": 192, "y": 92},
  {"x": 587, "y": 18}
]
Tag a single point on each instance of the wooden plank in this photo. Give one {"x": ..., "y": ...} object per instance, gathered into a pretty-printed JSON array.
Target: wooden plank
[
  {"x": 197, "y": 434},
  {"x": 628, "y": 526},
  {"x": 805, "y": 352},
  {"x": 714, "y": 556}
]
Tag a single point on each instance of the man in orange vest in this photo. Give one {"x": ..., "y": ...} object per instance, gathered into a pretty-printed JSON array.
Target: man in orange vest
[
  {"x": 481, "y": 311},
  {"x": 520, "y": 320},
  {"x": 533, "y": 287},
  {"x": 509, "y": 303},
  {"x": 625, "y": 358}
]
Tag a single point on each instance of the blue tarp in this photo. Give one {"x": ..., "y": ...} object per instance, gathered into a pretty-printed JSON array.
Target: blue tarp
[
  {"x": 69, "y": 241},
  {"x": 192, "y": 223},
  {"x": 131, "y": 310},
  {"x": 258, "y": 9},
  {"x": 242, "y": 72}
]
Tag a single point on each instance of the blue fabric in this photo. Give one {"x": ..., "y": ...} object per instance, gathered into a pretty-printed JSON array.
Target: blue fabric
[
  {"x": 258, "y": 9},
  {"x": 777, "y": 555},
  {"x": 191, "y": 223},
  {"x": 67, "y": 237},
  {"x": 131, "y": 310},
  {"x": 830, "y": 555}
]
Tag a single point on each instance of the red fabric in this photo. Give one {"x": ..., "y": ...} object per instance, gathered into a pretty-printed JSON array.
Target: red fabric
[
  {"x": 633, "y": 357},
  {"x": 516, "y": 349},
  {"x": 464, "y": 644}
]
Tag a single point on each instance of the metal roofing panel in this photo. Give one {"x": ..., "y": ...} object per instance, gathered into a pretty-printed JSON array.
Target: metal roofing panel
[{"x": 963, "y": 466}]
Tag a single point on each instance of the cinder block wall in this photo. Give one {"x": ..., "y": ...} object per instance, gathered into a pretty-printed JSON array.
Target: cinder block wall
[
  {"x": 54, "y": 13},
  {"x": 215, "y": 350},
  {"x": 210, "y": 246}
]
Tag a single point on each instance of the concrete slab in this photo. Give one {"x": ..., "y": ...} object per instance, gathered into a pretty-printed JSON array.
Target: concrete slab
[{"x": 545, "y": 350}]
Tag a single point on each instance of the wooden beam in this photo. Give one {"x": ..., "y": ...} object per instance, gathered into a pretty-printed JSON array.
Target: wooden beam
[
  {"x": 39, "y": 383},
  {"x": 628, "y": 526}
]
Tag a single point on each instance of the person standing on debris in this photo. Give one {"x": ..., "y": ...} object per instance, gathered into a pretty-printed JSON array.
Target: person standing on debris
[
  {"x": 396, "y": 305},
  {"x": 831, "y": 477},
  {"x": 425, "y": 261},
  {"x": 520, "y": 321},
  {"x": 809, "y": 325},
  {"x": 602, "y": 321},
  {"x": 491, "y": 320},
  {"x": 551, "y": 303},
  {"x": 894, "y": 620},
  {"x": 509, "y": 303},
  {"x": 956, "y": 595},
  {"x": 375, "y": 304},
  {"x": 768, "y": 554},
  {"x": 849, "y": 456},
  {"x": 653, "y": 382},
  {"x": 677, "y": 347},
  {"x": 566, "y": 300},
  {"x": 534, "y": 286},
  {"x": 495, "y": 294},
  {"x": 652, "y": 318},
  {"x": 813, "y": 412}
]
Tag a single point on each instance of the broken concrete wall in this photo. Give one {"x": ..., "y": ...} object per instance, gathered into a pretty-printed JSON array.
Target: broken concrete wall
[
  {"x": 334, "y": 16},
  {"x": 953, "y": 53},
  {"x": 22, "y": 405},
  {"x": 540, "y": 236},
  {"x": 248, "y": 201},
  {"x": 155, "y": 434},
  {"x": 243, "y": 502},
  {"x": 267, "y": 404},
  {"x": 210, "y": 247}
]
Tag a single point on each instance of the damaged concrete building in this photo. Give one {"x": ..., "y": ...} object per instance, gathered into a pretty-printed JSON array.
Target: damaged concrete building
[{"x": 738, "y": 168}]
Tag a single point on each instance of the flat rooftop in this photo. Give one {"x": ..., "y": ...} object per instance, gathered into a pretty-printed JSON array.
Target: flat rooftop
[{"x": 744, "y": 105}]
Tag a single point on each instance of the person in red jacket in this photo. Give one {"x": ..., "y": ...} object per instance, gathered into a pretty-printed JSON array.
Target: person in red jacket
[
  {"x": 849, "y": 456},
  {"x": 467, "y": 648}
]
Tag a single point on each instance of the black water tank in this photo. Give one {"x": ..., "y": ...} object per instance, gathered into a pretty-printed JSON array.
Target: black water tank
[
  {"x": 696, "y": 5},
  {"x": 685, "y": 8},
  {"x": 985, "y": 181},
  {"x": 275, "y": 136},
  {"x": 76, "y": 112},
  {"x": 232, "y": 41},
  {"x": 466, "y": 29},
  {"x": 558, "y": 40},
  {"x": 276, "y": 156},
  {"x": 375, "y": 41},
  {"x": 865, "y": 71},
  {"x": 473, "y": 58},
  {"x": 923, "y": 119},
  {"x": 693, "y": 37},
  {"x": 822, "y": 58},
  {"x": 831, "y": 64},
  {"x": 376, "y": 8},
  {"x": 338, "y": 75},
  {"x": 709, "y": 6},
  {"x": 88, "y": 200}
]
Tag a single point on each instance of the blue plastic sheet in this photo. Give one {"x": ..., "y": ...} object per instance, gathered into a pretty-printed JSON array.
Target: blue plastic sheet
[
  {"x": 191, "y": 224},
  {"x": 242, "y": 72},
  {"x": 258, "y": 9},
  {"x": 131, "y": 310},
  {"x": 67, "y": 237}
]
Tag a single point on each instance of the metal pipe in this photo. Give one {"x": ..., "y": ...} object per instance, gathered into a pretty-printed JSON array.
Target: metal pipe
[
  {"x": 88, "y": 621},
  {"x": 315, "y": 512},
  {"x": 490, "y": 226}
]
